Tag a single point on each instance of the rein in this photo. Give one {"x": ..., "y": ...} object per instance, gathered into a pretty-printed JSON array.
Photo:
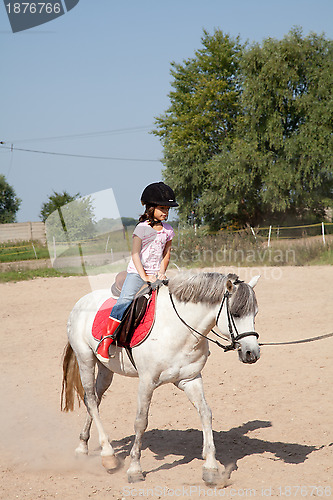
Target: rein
[
  {"x": 312, "y": 339},
  {"x": 231, "y": 325}
]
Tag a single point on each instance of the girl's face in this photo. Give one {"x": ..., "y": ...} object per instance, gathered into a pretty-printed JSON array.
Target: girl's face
[{"x": 161, "y": 213}]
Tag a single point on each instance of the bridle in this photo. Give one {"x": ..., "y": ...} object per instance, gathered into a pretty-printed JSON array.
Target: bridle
[
  {"x": 233, "y": 332},
  {"x": 235, "y": 337}
]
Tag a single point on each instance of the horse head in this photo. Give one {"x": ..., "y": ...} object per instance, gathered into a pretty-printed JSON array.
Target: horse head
[{"x": 237, "y": 317}]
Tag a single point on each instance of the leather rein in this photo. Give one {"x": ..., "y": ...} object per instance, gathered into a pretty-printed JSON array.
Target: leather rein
[{"x": 234, "y": 335}]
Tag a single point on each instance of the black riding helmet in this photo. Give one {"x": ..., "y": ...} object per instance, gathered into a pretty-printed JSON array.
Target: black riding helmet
[{"x": 159, "y": 193}]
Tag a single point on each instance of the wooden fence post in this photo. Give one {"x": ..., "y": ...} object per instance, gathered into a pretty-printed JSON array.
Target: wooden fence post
[
  {"x": 323, "y": 233},
  {"x": 269, "y": 236}
]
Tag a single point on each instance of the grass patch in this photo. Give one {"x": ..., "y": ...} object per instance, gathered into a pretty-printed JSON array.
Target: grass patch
[
  {"x": 29, "y": 274},
  {"x": 197, "y": 249},
  {"x": 323, "y": 258},
  {"x": 23, "y": 250}
]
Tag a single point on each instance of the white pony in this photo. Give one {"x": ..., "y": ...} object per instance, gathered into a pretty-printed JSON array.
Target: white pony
[{"x": 175, "y": 351}]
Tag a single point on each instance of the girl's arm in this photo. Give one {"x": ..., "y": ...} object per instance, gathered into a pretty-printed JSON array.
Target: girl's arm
[
  {"x": 136, "y": 249},
  {"x": 165, "y": 260}
]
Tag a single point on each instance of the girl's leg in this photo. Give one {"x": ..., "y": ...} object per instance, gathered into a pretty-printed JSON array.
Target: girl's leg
[{"x": 131, "y": 286}]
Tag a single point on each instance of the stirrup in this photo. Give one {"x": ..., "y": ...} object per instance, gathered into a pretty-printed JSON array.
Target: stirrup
[
  {"x": 115, "y": 343},
  {"x": 106, "y": 337}
]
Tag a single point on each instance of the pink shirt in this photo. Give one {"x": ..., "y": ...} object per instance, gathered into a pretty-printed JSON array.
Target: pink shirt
[{"x": 152, "y": 247}]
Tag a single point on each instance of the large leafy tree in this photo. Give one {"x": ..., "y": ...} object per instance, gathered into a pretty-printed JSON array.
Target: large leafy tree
[
  {"x": 281, "y": 159},
  {"x": 9, "y": 202},
  {"x": 202, "y": 114}
]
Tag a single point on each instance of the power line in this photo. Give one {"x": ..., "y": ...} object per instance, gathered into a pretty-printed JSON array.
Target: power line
[
  {"x": 12, "y": 148},
  {"x": 141, "y": 128}
]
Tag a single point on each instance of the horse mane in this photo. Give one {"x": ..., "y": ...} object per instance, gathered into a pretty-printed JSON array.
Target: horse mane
[{"x": 209, "y": 288}]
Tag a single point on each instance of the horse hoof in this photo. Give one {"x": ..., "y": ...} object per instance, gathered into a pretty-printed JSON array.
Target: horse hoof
[
  {"x": 210, "y": 476},
  {"x": 135, "y": 477},
  {"x": 110, "y": 462},
  {"x": 81, "y": 451}
]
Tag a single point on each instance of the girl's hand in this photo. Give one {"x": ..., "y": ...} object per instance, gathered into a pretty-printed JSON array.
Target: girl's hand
[
  {"x": 150, "y": 279},
  {"x": 161, "y": 276}
]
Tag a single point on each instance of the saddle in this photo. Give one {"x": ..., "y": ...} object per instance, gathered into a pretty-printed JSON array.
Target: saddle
[
  {"x": 133, "y": 316},
  {"x": 138, "y": 318},
  {"x": 118, "y": 283},
  {"x": 135, "y": 312}
]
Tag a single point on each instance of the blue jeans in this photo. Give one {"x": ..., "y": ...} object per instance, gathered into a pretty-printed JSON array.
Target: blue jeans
[{"x": 131, "y": 286}]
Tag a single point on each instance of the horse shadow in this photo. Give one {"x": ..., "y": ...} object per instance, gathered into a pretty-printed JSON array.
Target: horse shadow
[{"x": 231, "y": 446}]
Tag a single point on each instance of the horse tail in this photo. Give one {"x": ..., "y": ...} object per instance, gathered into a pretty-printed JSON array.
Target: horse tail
[{"x": 71, "y": 381}]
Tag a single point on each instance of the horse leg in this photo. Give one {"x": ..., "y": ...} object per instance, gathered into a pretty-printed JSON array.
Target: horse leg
[
  {"x": 145, "y": 393},
  {"x": 82, "y": 449},
  {"x": 195, "y": 392},
  {"x": 91, "y": 400},
  {"x": 103, "y": 382}
]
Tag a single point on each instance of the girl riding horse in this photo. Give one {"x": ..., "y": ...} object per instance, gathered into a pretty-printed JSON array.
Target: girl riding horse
[{"x": 151, "y": 247}]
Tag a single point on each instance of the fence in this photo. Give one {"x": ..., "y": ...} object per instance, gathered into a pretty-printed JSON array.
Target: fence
[
  {"x": 23, "y": 231},
  {"x": 17, "y": 241},
  {"x": 320, "y": 230}
]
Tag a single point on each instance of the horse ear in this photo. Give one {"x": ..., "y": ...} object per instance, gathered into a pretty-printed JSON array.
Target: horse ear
[
  {"x": 254, "y": 281},
  {"x": 229, "y": 286}
]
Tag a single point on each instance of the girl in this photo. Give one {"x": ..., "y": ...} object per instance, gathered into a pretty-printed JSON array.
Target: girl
[{"x": 151, "y": 247}]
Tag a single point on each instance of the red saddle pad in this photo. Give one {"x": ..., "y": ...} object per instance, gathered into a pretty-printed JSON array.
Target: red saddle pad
[{"x": 140, "y": 333}]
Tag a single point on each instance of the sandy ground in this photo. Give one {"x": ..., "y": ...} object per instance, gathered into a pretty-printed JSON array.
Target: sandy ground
[{"x": 272, "y": 421}]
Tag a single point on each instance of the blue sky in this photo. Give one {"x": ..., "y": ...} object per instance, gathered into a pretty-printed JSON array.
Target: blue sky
[{"x": 92, "y": 81}]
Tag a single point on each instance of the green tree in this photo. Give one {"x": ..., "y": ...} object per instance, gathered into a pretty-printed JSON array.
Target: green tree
[
  {"x": 55, "y": 201},
  {"x": 204, "y": 107},
  {"x": 69, "y": 218},
  {"x": 281, "y": 159},
  {"x": 9, "y": 202}
]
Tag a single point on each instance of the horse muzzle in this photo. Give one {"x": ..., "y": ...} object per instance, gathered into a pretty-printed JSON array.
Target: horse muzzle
[{"x": 248, "y": 350}]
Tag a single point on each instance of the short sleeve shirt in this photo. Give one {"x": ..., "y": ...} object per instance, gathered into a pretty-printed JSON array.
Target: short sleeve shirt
[{"x": 152, "y": 247}]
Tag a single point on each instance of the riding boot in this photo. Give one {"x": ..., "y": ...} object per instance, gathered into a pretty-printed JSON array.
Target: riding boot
[{"x": 103, "y": 348}]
